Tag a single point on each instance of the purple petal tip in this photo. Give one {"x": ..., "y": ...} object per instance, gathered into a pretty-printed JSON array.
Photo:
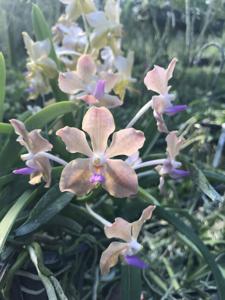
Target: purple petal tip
[
  {"x": 177, "y": 173},
  {"x": 135, "y": 261},
  {"x": 99, "y": 89},
  {"x": 175, "y": 109},
  {"x": 24, "y": 171}
]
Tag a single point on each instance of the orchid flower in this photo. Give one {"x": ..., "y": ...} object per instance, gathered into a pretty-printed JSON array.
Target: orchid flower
[
  {"x": 81, "y": 175},
  {"x": 70, "y": 41},
  {"x": 170, "y": 166},
  {"x": 76, "y": 8},
  {"x": 40, "y": 66},
  {"x": 127, "y": 250},
  {"x": 124, "y": 66},
  {"x": 85, "y": 84},
  {"x": 157, "y": 81},
  {"x": 107, "y": 27},
  {"x": 37, "y": 165}
]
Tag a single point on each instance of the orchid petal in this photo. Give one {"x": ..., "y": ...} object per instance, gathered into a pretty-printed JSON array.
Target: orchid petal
[
  {"x": 76, "y": 176},
  {"x": 70, "y": 82},
  {"x": 43, "y": 170},
  {"x": 160, "y": 104},
  {"x": 120, "y": 229},
  {"x": 120, "y": 179},
  {"x": 110, "y": 101},
  {"x": 174, "y": 144},
  {"x": 157, "y": 79},
  {"x": 99, "y": 89},
  {"x": 125, "y": 142},
  {"x": 178, "y": 173},
  {"x": 75, "y": 140},
  {"x": 24, "y": 171},
  {"x": 135, "y": 261},
  {"x": 97, "y": 19},
  {"x": 99, "y": 124},
  {"x": 33, "y": 141},
  {"x": 137, "y": 225},
  {"x": 110, "y": 256},
  {"x": 89, "y": 99},
  {"x": 170, "y": 111},
  {"x": 86, "y": 67}
]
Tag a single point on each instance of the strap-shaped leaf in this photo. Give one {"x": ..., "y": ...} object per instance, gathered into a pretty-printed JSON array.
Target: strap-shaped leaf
[
  {"x": 2, "y": 84},
  {"x": 10, "y": 217},
  {"x": 130, "y": 283},
  {"x": 46, "y": 208},
  {"x": 187, "y": 231}
]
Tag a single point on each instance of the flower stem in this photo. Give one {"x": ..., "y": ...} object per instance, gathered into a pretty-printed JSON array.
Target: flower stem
[
  {"x": 53, "y": 157},
  {"x": 150, "y": 163},
  {"x": 139, "y": 114},
  {"x": 98, "y": 217}
]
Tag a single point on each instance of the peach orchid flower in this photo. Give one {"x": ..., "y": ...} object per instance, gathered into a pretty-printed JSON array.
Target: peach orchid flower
[
  {"x": 157, "y": 81},
  {"x": 37, "y": 165},
  {"x": 81, "y": 175},
  {"x": 87, "y": 86},
  {"x": 170, "y": 165},
  {"x": 127, "y": 250}
]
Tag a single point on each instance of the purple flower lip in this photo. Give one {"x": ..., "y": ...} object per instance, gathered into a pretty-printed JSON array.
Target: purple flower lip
[
  {"x": 176, "y": 173},
  {"x": 24, "y": 171},
  {"x": 170, "y": 111},
  {"x": 99, "y": 89},
  {"x": 97, "y": 178},
  {"x": 135, "y": 261}
]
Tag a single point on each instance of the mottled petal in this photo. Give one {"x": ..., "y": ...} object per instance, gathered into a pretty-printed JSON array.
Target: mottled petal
[
  {"x": 137, "y": 225},
  {"x": 120, "y": 229},
  {"x": 75, "y": 177},
  {"x": 160, "y": 104},
  {"x": 86, "y": 66},
  {"x": 111, "y": 255},
  {"x": 135, "y": 261},
  {"x": 75, "y": 140},
  {"x": 125, "y": 142},
  {"x": 161, "y": 125},
  {"x": 33, "y": 141},
  {"x": 174, "y": 144},
  {"x": 120, "y": 179},
  {"x": 99, "y": 124},
  {"x": 70, "y": 82},
  {"x": 110, "y": 101},
  {"x": 44, "y": 170},
  {"x": 37, "y": 143},
  {"x": 20, "y": 130},
  {"x": 157, "y": 79}
]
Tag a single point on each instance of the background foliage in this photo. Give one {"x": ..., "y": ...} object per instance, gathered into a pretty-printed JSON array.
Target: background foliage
[{"x": 193, "y": 31}]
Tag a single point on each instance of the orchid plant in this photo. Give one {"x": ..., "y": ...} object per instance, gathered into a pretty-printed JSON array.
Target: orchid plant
[{"x": 90, "y": 68}]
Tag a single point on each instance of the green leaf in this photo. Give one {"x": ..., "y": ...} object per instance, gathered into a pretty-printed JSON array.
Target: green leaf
[
  {"x": 4, "y": 127},
  {"x": 187, "y": 231},
  {"x": 47, "y": 207},
  {"x": 10, "y": 217},
  {"x": 206, "y": 187},
  {"x": 130, "y": 283},
  {"x": 2, "y": 84}
]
